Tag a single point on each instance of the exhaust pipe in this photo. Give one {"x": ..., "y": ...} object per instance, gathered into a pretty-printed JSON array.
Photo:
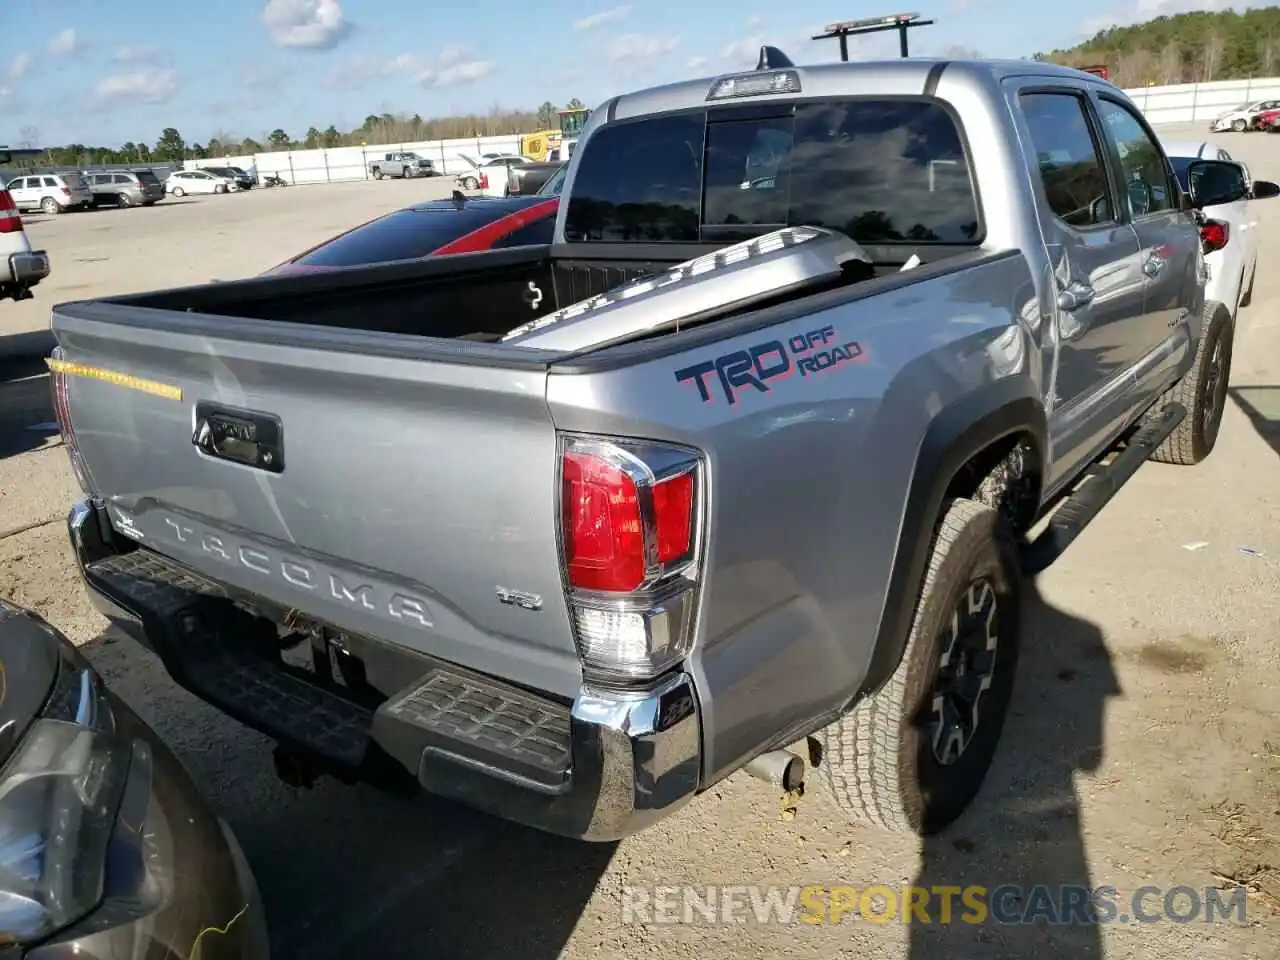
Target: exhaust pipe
[{"x": 782, "y": 768}]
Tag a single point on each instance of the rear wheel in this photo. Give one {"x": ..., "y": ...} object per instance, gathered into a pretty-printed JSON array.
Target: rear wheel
[
  {"x": 124, "y": 200},
  {"x": 1202, "y": 390},
  {"x": 179, "y": 192},
  {"x": 50, "y": 206},
  {"x": 912, "y": 756}
]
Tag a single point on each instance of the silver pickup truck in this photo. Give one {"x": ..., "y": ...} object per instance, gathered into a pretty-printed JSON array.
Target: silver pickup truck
[{"x": 743, "y": 471}]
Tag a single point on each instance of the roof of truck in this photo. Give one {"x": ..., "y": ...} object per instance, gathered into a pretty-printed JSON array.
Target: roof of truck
[{"x": 900, "y": 76}]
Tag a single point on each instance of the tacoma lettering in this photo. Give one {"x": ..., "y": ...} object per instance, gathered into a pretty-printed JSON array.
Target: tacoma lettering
[{"x": 365, "y": 596}]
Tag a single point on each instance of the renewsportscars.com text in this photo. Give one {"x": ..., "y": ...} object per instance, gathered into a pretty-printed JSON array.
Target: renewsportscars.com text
[{"x": 1007, "y": 904}]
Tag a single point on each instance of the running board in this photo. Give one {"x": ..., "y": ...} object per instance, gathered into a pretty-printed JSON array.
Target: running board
[{"x": 1095, "y": 491}]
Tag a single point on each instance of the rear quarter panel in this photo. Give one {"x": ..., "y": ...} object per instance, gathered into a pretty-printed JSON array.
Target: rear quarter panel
[{"x": 808, "y": 479}]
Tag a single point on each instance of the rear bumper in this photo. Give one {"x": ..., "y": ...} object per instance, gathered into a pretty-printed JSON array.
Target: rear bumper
[
  {"x": 29, "y": 267},
  {"x": 606, "y": 766}
]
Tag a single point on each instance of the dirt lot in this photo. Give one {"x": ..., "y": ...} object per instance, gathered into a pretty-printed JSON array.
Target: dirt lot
[{"x": 1144, "y": 747}]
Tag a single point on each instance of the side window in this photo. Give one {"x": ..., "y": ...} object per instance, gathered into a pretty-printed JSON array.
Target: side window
[
  {"x": 15, "y": 184},
  {"x": 537, "y": 233},
  {"x": 50, "y": 182},
  {"x": 121, "y": 178},
  {"x": 1145, "y": 174},
  {"x": 1071, "y": 166}
]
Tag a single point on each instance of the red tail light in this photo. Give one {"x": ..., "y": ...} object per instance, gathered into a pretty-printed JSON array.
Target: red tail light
[
  {"x": 66, "y": 191},
  {"x": 484, "y": 181},
  {"x": 10, "y": 219},
  {"x": 631, "y": 518},
  {"x": 1214, "y": 235}
]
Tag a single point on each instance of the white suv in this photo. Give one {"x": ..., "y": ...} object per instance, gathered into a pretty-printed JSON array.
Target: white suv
[
  {"x": 51, "y": 192},
  {"x": 21, "y": 268}
]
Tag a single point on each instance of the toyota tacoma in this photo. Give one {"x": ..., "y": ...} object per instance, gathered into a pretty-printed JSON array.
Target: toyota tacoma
[{"x": 743, "y": 470}]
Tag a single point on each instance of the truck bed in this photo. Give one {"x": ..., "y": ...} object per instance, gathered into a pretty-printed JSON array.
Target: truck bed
[{"x": 478, "y": 296}]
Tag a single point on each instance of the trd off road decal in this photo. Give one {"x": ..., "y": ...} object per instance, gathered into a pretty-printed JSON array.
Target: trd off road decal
[{"x": 763, "y": 366}]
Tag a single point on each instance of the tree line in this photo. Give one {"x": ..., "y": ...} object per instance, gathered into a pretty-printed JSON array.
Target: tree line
[
  {"x": 1195, "y": 47},
  {"x": 172, "y": 147}
]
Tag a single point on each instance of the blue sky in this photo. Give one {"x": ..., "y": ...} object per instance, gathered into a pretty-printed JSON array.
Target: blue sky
[{"x": 105, "y": 71}]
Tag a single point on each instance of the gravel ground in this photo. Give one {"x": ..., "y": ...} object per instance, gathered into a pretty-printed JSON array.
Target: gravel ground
[{"x": 1144, "y": 745}]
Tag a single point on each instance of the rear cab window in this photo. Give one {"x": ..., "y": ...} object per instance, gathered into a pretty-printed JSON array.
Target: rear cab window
[{"x": 880, "y": 170}]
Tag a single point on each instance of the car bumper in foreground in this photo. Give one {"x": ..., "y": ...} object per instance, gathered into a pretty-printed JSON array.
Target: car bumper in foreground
[
  {"x": 177, "y": 884},
  {"x": 28, "y": 267},
  {"x": 601, "y": 768}
]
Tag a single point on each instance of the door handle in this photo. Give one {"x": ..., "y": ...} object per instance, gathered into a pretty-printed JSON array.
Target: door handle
[{"x": 1074, "y": 296}]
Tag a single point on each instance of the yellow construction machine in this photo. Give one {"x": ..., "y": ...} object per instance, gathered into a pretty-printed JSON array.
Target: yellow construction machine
[{"x": 552, "y": 143}]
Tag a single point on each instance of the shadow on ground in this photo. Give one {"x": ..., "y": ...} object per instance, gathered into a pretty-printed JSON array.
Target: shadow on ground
[
  {"x": 1262, "y": 406},
  {"x": 349, "y": 872},
  {"x": 1023, "y": 839},
  {"x": 26, "y": 408}
]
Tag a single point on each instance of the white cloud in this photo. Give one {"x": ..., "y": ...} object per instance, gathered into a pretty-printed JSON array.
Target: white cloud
[
  {"x": 639, "y": 46},
  {"x": 467, "y": 71},
  {"x": 146, "y": 86},
  {"x": 452, "y": 67},
  {"x": 6, "y": 93},
  {"x": 19, "y": 66},
  {"x": 604, "y": 17},
  {"x": 755, "y": 22},
  {"x": 744, "y": 52},
  {"x": 697, "y": 63},
  {"x": 143, "y": 53},
  {"x": 64, "y": 43},
  {"x": 315, "y": 24}
]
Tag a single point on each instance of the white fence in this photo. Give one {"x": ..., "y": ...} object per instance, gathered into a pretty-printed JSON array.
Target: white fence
[
  {"x": 335, "y": 164},
  {"x": 1187, "y": 102},
  {"x": 1197, "y": 102}
]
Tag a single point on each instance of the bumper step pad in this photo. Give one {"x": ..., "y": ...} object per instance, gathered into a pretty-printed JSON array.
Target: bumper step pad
[{"x": 451, "y": 712}]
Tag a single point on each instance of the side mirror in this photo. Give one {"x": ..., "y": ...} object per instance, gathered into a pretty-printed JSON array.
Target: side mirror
[
  {"x": 1215, "y": 182},
  {"x": 1263, "y": 189}
]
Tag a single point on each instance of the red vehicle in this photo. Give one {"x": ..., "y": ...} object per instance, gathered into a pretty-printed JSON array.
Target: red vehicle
[
  {"x": 432, "y": 229},
  {"x": 1098, "y": 70},
  {"x": 1268, "y": 120}
]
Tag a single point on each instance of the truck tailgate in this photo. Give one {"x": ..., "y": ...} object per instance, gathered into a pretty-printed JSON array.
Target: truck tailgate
[{"x": 407, "y": 488}]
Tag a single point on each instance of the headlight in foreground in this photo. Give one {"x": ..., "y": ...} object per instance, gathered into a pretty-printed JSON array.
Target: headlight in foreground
[{"x": 59, "y": 795}]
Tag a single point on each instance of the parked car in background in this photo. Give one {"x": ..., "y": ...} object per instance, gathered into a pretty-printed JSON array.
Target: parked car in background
[
  {"x": 527, "y": 178},
  {"x": 129, "y": 188},
  {"x": 1241, "y": 118},
  {"x": 21, "y": 268},
  {"x": 401, "y": 164},
  {"x": 99, "y": 819},
  {"x": 1268, "y": 120},
  {"x": 489, "y": 176},
  {"x": 1230, "y": 234},
  {"x": 51, "y": 193},
  {"x": 181, "y": 182},
  {"x": 237, "y": 177},
  {"x": 435, "y": 228}
]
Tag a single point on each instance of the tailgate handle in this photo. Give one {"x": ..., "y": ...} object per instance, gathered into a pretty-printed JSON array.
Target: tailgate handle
[{"x": 240, "y": 436}]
